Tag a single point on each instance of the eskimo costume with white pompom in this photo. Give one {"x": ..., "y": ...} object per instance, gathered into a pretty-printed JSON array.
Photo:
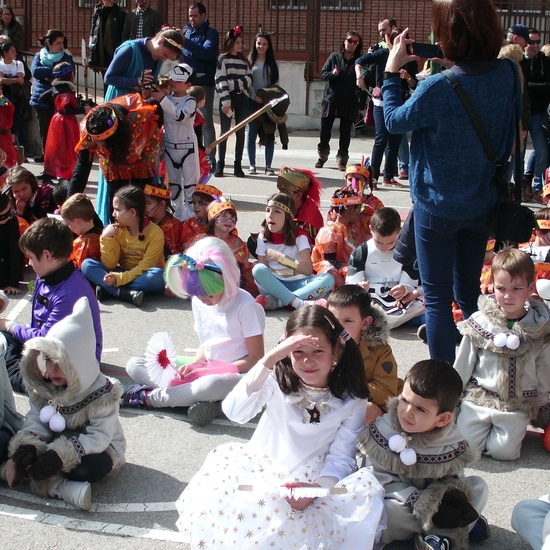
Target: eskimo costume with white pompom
[
  {"x": 510, "y": 384},
  {"x": 413, "y": 492},
  {"x": 89, "y": 403}
]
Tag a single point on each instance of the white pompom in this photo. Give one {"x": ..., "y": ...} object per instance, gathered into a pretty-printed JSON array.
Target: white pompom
[
  {"x": 499, "y": 340},
  {"x": 57, "y": 423},
  {"x": 512, "y": 342},
  {"x": 397, "y": 443},
  {"x": 46, "y": 413},
  {"x": 408, "y": 456}
]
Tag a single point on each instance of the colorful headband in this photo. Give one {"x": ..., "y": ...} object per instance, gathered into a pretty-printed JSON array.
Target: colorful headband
[
  {"x": 207, "y": 190},
  {"x": 235, "y": 31},
  {"x": 160, "y": 192},
  {"x": 546, "y": 190},
  {"x": 214, "y": 208},
  {"x": 113, "y": 125},
  {"x": 543, "y": 224},
  {"x": 193, "y": 265},
  {"x": 64, "y": 70},
  {"x": 346, "y": 201},
  {"x": 281, "y": 206},
  {"x": 357, "y": 169}
]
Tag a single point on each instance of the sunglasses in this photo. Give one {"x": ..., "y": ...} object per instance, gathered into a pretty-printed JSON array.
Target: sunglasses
[
  {"x": 6, "y": 216},
  {"x": 352, "y": 41},
  {"x": 536, "y": 41}
]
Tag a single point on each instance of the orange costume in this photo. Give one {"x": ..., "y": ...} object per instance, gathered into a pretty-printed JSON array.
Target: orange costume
[
  {"x": 172, "y": 229},
  {"x": 333, "y": 246},
  {"x": 6, "y": 138},
  {"x": 86, "y": 246},
  {"x": 190, "y": 229}
]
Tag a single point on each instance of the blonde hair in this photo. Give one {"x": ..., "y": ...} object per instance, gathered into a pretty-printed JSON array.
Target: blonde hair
[{"x": 511, "y": 51}]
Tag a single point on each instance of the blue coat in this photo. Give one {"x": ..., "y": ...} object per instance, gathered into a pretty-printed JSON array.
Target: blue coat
[
  {"x": 202, "y": 46},
  {"x": 42, "y": 79}
]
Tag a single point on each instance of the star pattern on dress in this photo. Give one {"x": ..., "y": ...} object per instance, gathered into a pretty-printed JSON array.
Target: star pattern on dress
[{"x": 314, "y": 414}]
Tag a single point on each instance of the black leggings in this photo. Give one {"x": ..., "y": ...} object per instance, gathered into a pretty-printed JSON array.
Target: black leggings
[
  {"x": 92, "y": 468},
  {"x": 239, "y": 106}
]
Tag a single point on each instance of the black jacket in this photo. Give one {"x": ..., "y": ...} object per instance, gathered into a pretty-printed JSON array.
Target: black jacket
[
  {"x": 116, "y": 16},
  {"x": 536, "y": 72}
]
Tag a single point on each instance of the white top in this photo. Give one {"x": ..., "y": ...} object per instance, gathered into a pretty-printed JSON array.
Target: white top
[
  {"x": 284, "y": 435},
  {"x": 179, "y": 115},
  {"x": 223, "y": 328},
  {"x": 11, "y": 70},
  {"x": 293, "y": 252}
]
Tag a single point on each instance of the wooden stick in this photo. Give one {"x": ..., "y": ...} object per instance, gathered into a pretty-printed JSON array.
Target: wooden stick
[
  {"x": 244, "y": 122},
  {"x": 85, "y": 65}
]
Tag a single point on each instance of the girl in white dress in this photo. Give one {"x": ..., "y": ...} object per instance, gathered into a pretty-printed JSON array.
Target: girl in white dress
[{"x": 293, "y": 485}]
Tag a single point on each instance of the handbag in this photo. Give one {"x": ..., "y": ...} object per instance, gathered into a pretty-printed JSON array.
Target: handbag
[{"x": 514, "y": 222}]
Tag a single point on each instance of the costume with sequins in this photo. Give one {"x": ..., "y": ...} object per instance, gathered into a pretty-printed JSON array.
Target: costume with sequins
[{"x": 287, "y": 446}]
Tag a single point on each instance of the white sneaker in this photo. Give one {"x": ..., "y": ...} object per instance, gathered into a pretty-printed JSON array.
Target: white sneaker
[
  {"x": 76, "y": 493},
  {"x": 4, "y": 301}
]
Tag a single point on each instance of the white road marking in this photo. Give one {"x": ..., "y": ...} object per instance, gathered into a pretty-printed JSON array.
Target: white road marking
[
  {"x": 110, "y": 350},
  {"x": 19, "y": 307},
  {"x": 86, "y": 525}
]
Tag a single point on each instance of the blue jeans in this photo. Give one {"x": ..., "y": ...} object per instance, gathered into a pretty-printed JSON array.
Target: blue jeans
[
  {"x": 450, "y": 257},
  {"x": 403, "y": 154},
  {"x": 540, "y": 145},
  {"x": 310, "y": 288},
  {"x": 152, "y": 281},
  {"x": 251, "y": 140},
  {"x": 528, "y": 520},
  {"x": 382, "y": 138}
]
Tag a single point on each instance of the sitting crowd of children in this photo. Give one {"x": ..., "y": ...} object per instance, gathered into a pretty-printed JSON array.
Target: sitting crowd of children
[{"x": 328, "y": 388}]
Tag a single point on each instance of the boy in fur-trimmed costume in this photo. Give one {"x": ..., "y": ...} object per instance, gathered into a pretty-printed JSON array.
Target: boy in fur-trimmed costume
[
  {"x": 504, "y": 361},
  {"x": 72, "y": 434},
  {"x": 419, "y": 456},
  {"x": 367, "y": 325}
]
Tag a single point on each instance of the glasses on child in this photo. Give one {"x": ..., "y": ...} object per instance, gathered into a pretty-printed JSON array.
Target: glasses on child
[{"x": 352, "y": 41}]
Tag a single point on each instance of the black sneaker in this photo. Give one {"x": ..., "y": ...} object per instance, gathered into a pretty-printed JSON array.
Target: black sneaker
[
  {"x": 480, "y": 531},
  {"x": 204, "y": 412},
  {"x": 101, "y": 294},
  {"x": 136, "y": 396},
  {"x": 39, "y": 159}
]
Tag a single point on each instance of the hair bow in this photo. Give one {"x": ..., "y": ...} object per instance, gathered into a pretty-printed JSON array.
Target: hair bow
[{"x": 236, "y": 31}]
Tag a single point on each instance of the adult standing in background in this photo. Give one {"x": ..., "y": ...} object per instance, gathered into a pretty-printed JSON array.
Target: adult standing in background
[
  {"x": 54, "y": 44},
  {"x": 143, "y": 22},
  {"x": 454, "y": 198},
  {"x": 105, "y": 34},
  {"x": 200, "y": 51},
  {"x": 9, "y": 26},
  {"x": 339, "y": 99}
]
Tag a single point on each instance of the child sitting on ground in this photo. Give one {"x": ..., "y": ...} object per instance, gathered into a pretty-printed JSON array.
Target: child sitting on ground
[
  {"x": 48, "y": 243},
  {"x": 367, "y": 325},
  {"x": 504, "y": 361},
  {"x": 419, "y": 456},
  {"x": 531, "y": 521},
  {"x": 79, "y": 214},
  {"x": 11, "y": 257},
  {"x": 204, "y": 194},
  {"x": 158, "y": 209},
  {"x": 358, "y": 177},
  {"x": 335, "y": 241},
  {"x": 132, "y": 255},
  {"x": 539, "y": 248},
  {"x": 284, "y": 271},
  {"x": 373, "y": 266},
  {"x": 32, "y": 201},
  {"x": 294, "y": 484},
  {"x": 229, "y": 325},
  {"x": 72, "y": 434}
]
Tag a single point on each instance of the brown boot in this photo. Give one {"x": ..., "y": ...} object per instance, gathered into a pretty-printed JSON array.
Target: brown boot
[
  {"x": 342, "y": 162},
  {"x": 323, "y": 153}
]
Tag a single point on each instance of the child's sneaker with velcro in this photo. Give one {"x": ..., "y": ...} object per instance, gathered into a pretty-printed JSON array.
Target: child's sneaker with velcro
[
  {"x": 136, "y": 396},
  {"x": 436, "y": 542}
]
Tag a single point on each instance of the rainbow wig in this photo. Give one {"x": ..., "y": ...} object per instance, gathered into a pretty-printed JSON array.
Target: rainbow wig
[{"x": 207, "y": 268}]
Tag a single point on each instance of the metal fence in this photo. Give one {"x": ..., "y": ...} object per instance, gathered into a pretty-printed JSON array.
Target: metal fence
[{"x": 302, "y": 30}]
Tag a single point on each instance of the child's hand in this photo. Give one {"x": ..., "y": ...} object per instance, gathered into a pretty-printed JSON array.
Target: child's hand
[
  {"x": 227, "y": 111},
  {"x": 288, "y": 345},
  {"x": 301, "y": 503},
  {"x": 272, "y": 255},
  {"x": 373, "y": 412},
  {"x": 110, "y": 279},
  {"x": 364, "y": 284},
  {"x": 20, "y": 205},
  {"x": 398, "y": 292},
  {"x": 109, "y": 230},
  {"x": 157, "y": 95}
]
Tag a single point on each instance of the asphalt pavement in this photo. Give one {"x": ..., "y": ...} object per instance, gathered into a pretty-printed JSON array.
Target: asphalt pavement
[{"x": 134, "y": 508}]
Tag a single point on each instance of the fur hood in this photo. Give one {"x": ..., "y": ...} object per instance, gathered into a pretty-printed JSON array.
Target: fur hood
[
  {"x": 71, "y": 344},
  {"x": 482, "y": 326},
  {"x": 441, "y": 452},
  {"x": 378, "y": 332}
]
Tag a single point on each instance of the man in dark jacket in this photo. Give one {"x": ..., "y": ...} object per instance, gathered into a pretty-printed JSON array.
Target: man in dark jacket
[
  {"x": 105, "y": 33},
  {"x": 143, "y": 22},
  {"x": 536, "y": 71},
  {"x": 201, "y": 49}
]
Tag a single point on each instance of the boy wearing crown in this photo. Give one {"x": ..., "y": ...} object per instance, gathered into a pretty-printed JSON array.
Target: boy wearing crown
[
  {"x": 504, "y": 361},
  {"x": 180, "y": 140}
]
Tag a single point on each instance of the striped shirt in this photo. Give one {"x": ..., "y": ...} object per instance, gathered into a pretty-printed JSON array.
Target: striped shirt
[{"x": 232, "y": 75}]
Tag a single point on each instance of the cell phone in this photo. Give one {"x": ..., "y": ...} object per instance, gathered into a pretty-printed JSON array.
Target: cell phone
[{"x": 425, "y": 50}]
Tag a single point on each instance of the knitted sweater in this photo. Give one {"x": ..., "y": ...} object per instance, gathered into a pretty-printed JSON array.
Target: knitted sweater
[
  {"x": 232, "y": 75},
  {"x": 449, "y": 172}
]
